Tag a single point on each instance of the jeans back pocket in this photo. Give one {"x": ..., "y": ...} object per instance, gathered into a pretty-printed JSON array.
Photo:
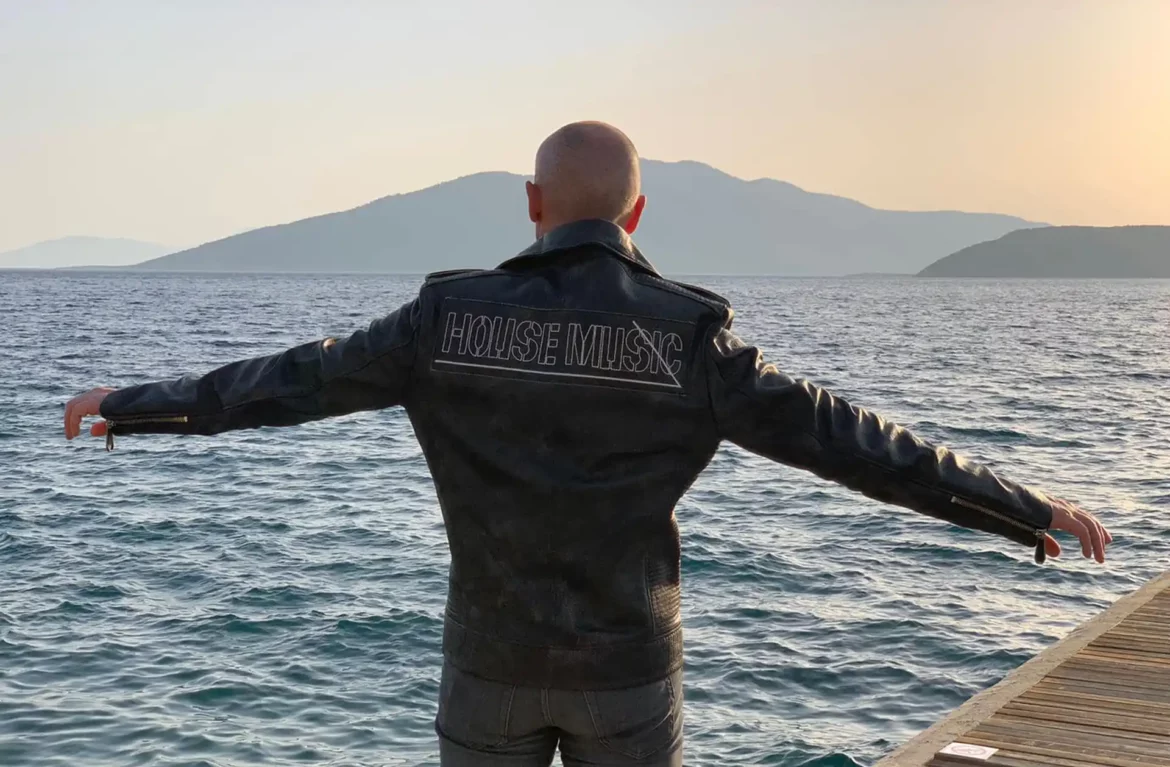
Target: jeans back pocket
[
  {"x": 638, "y": 722},
  {"x": 474, "y": 712}
]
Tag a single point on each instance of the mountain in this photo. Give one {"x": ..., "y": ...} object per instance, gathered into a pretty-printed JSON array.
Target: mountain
[
  {"x": 1064, "y": 251},
  {"x": 91, "y": 252},
  {"x": 698, "y": 220},
  {"x": 81, "y": 251}
]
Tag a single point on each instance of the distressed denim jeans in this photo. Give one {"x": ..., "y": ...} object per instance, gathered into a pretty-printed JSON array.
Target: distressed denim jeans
[{"x": 501, "y": 725}]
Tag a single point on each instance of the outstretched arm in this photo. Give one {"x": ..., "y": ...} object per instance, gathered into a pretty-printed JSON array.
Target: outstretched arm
[
  {"x": 367, "y": 371},
  {"x": 794, "y": 422}
]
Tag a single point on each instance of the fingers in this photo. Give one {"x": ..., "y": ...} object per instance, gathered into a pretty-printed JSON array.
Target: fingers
[
  {"x": 1091, "y": 533},
  {"x": 98, "y": 429},
  {"x": 1097, "y": 533},
  {"x": 1106, "y": 536},
  {"x": 1051, "y": 546},
  {"x": 1097, "y": 536},
  {"x": 1103, "y": 536},
  {"x": 81, "y": 407},
  {"x": 73, "y": 416},
  {"x": 1081, "y": 531}
]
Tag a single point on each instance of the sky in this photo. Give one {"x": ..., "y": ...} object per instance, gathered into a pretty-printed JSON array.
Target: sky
[{"x": 180, "y": 123}]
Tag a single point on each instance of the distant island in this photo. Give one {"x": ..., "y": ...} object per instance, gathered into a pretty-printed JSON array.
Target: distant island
[
  {"x": 1064, "y": 251},
  {"x": 699, "y": 221},
  {"x": 81, "y": 252}
]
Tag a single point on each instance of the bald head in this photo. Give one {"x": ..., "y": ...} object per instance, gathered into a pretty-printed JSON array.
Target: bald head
[{"x": 585, "y": 170}]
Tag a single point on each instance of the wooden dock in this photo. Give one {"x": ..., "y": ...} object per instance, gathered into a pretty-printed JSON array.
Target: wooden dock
[{"x": 1098, "y": 698}]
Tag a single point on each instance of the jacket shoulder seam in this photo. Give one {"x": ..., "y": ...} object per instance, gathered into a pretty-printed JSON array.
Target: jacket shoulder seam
[
  {"x": 717, "y": 303},
  {"x": 454, "y": 275}
]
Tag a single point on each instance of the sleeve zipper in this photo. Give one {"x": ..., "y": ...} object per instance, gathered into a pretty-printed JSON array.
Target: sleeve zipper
[
  {"x": 111, "y": 424},
  {"x": 1040, "y": 554}
]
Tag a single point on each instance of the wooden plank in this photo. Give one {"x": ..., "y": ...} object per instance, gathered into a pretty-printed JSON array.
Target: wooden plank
[
  {"x": 1017, "y": 759},
  {"x": 1098, "y": 698},
  {"x": 1009, "y": 758},
  {"x": 1087, "y": 700},
  {"x": 1119, "y": 691},
  {"x": 1144, "y": 720},
  {"x": 1134, "y": 657},
  {"x": 1071, "y": 740},
  {"x": 1129, "y": 642},
  {"x": 1150, "y": 725},
  {"x": 1108, "y": 672},
  {"x": 1136, "y": 631},
  {"x": 1080, "y": 729}
]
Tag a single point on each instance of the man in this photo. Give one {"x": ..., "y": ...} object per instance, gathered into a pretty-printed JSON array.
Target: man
[{"x": 564, "y": 402}]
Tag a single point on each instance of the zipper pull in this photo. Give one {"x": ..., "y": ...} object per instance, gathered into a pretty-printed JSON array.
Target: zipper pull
[
  {"x": 1041, "y": 554},
  {"x": 109, "y": 438}
]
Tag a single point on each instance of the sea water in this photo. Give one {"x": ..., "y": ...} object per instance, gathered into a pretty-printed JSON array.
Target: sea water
[{"x": 275, "y": 596}]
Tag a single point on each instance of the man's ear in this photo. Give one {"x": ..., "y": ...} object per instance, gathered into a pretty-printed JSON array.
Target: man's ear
[
  {"x": 635, "y": 215},
  {"x": 534, "y": 205}
]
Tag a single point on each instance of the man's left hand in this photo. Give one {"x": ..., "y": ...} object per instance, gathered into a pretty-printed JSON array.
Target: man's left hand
[{"x": 1089, "y": 531}]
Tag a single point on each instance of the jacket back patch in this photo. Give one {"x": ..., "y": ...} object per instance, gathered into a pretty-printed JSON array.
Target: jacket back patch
[{"x": 557, "y": 345}]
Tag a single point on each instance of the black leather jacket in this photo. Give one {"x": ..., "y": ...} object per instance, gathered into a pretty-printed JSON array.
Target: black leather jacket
[{"x": 564, "y": 402}]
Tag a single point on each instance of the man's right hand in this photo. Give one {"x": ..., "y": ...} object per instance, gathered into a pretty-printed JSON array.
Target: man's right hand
[
  {"x": 1071, "y": 519},
  {"x": 82, "y": 406}
]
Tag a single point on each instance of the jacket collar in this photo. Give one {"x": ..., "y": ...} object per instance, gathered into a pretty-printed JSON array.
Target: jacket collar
[{"x": 596, "y": 232}]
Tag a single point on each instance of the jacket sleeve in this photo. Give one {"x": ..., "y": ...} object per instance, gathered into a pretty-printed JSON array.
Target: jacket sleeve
[
  {"x": 796, "y": 423},
  {"x": 369, "y": 370}
]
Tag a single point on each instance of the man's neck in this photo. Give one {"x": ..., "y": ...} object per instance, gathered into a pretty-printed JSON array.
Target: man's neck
[{"x": 547, "y": 225}]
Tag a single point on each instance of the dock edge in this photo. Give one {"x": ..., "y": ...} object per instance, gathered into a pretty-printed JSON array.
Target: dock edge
[{"x": 920, "y": 749}]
